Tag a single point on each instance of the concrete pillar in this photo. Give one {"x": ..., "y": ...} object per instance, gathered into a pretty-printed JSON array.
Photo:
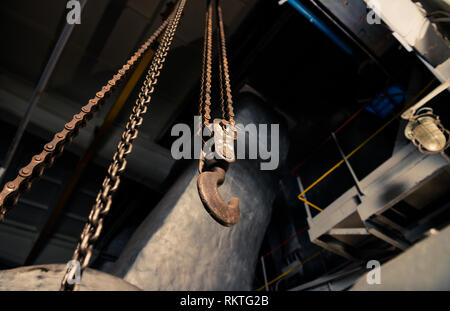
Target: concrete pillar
[{"x": 180, "y": 247}]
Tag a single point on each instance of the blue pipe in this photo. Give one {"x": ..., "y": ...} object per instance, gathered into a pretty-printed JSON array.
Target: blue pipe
[{"x": 319, "y": 24}]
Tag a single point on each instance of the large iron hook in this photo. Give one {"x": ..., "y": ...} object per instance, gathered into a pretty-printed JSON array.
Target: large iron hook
[{"x": 208, "y": 182}]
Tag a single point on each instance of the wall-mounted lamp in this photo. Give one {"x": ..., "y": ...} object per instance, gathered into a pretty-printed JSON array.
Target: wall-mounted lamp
[
  {"x": 426, "y": 132},
  {"x": 424, "y": 128}
]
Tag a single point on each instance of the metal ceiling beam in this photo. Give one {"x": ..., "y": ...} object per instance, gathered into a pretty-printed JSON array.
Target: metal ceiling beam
[{"x": 42, "y": 84}]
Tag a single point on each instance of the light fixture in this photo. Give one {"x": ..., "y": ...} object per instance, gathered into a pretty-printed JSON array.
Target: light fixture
[
  {"x": 426, "y": 132},
  {"x": 424, "y": 128}
]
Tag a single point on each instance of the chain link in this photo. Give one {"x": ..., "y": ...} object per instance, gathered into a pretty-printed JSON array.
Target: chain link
[
  {"x": 207, "y": 80},
  {"x": 225, "y": 75},
  {"x": 12, "y": 190},
  {"x": 226, "y": 101},
  {"x": 203, "y": 75},
  {"x": 93, "y": 227}
]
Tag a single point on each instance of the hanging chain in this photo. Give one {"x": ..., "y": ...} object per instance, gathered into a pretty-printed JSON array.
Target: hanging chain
[
  {"x": 221, "y": 77},
  {"x": 12, "y": 190},
  {"x": 226, "y": 101},
  {"x": 93, "y": 227},
  {"x": 203, "y": 75},
  {"x": 214, "y": 163},
  {"x": 206, "y": 78}
]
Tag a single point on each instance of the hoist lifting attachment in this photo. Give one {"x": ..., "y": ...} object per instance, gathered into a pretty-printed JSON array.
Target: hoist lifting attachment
[
  {"x": 213, "y": 168},
  {"x": 227, "y": 214}
]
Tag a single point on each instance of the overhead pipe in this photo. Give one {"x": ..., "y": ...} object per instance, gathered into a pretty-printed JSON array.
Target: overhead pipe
[{"x": 319, "y": 24}]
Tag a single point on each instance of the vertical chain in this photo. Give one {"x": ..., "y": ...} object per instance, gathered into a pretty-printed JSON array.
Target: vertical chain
[
  {"x": 206, "y": 79},
  {"x": 203, "y": 76},
  {"x": 226, "y": 101},
  {"x": 224, "y": 69},
  {"x": 221, "y": 79},
  {"x": 94, "y": 225},
  {"x": 206, "y": 116}
]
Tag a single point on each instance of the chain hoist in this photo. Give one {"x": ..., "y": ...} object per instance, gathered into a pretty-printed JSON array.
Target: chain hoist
[
  {"x": 93, "y": 227},
  {"x": 214, "y": 162},
  {"x": 212, "y": 167}
]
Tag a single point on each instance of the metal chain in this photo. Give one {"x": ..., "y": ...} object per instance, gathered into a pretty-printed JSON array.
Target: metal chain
[
  {"x": 203, "y": 76},
  {"x": 221, "y": 78},
  {"x": 207, "y": 82},
  {"x": 12, "y": 190},
  {"x": 93, "y": 227},
  {"x": 212, "y": 171},
  {"x": 225, "y": 75},
  {"x": 226, "y": 101}
]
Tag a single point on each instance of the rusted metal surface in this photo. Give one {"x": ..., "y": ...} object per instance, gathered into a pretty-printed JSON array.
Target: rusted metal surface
[
  {"x": 46, "y": 278},
  {"x": 225, "y": 85},
  {"x": 181, "y": 244},
  {"x": 91, "y": 151},
  {"x": 12, "y": 190},
  {"x": 226, "y": 100},
  {"x": 227, "y": 214},
  {"x": 206, "y": 77},
  {"x": 94, "y": 225},
  {"x": 213, "y": 175},
  {"x": 224, "y": 136}
]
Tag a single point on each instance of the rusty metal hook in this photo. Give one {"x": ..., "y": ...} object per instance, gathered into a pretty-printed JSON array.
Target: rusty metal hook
[{"x": 208, "y": 182}]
